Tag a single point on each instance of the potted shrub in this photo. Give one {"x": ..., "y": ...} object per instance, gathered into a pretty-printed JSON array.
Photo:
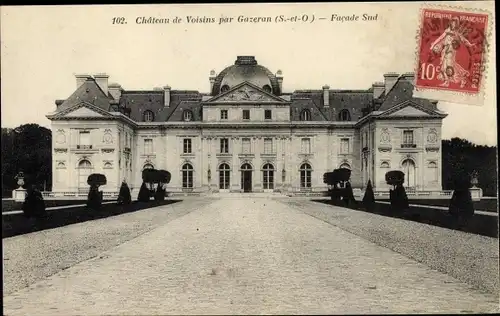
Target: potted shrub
[
  {"x": 369, "y": 198},
  {"x": 124, "y": 196},
  {"x": 94, "y": 198},
  {"x": 399, "y": 199}
]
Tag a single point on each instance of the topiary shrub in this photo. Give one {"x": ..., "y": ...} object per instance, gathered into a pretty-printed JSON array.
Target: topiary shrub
[
  {"x": 160, "y": 193},
  {"x": 34, "y": 205},
  {"x": 398, "y": 197},
  {"x": 461, "y": 201},
  {"x": 94, "y": 198},
  {"x": 144, "y": 193},
  {"x": 348, "y": 196},
  {"x": 124, "y": 196},
  {"x": 369, "y": 198}
]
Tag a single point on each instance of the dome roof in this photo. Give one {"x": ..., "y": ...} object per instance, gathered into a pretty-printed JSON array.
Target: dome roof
[{"x": 245, "y": 68}]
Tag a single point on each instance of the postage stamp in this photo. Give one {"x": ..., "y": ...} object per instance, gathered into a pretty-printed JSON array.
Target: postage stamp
[{"x": 452, "y": 55}]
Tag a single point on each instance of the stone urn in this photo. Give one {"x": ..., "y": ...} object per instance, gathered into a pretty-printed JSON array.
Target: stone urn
[{"x": 474, "y": 179}]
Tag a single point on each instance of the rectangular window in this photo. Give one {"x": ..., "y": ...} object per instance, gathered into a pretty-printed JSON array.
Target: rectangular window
[
  {"x": 306, "y": 145},
  {"x": 267, "y": 114},
  {"x": 148, "y": 146},
  {"x": 344, "y": 145},
  {"x": 268, "y": 145},
  {"x": 245, "y": 146},
  {"x": 224, "y": 145},
  {"x": 246, "y": 114},
  {"x": 84, "y": 138},
  {"x": 408, "y": 137},
  {"x": 187, "y": 149},
  {"x": 223, "y": 114}
]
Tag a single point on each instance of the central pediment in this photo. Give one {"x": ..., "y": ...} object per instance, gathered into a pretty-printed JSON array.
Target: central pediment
[{"x": 246, "y": 93}]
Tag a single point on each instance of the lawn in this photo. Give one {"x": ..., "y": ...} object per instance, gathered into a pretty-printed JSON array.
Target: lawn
[
  {"x": 480, "y": 224},
  {"x": 488, "y": 205},
  {"x": 10, "y": 205},
  {"x": 18, "y": 224}
]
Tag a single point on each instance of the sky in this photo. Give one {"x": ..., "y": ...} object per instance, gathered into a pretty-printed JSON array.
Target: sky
[{"x": 42, "y": 48}]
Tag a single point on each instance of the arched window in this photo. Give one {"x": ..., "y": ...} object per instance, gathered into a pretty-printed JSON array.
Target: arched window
[
  {"x": 84, "y": 171},
  {"x": 305, "y": 115},
  {"x": 148, "y": 166},
  {"x": 305, "y": 175},
  {"x": 187, "y": 115},
  {"x": 345, "y": 166},
  {"x": 224, "y": 88},
  {"x": 224, "y": 176},
  {"x": 268, "y": 176},
  {"x": 148, "y": 116},
  {"x": 187, "y": 176},
  {"x": 409, "y": 171},
  {"x": 267, "y": 88},
  {"x": 108, "y": 165},
  {"x": 344, "y": 115}
]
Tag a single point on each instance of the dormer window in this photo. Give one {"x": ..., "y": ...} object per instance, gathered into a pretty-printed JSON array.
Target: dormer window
[
  {"x": 344, "y": 115},
  {"x": 224, "y": 88},
  {"x": 305, "y": 115},
  {"x": 267, "y": 88},
  {"x": 187, "y": 116},
  {"x": 148, "y": 116}
]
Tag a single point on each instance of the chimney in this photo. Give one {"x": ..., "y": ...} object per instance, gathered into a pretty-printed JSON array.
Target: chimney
[
  {"x": 102, "y": 82},
  {"x": 326, "y": 96},
  {"x": 409, "y": 76},
  {"x": 212, "y": 79},
  {"x": 279, "y": 77},
  {"x": 378, "y": 89},
  {"x": 390, "y": 79},
  {"x": 166, "y": 93},
  {"x": 115, "y": 90},
  {"x": 80, "y": 79}
]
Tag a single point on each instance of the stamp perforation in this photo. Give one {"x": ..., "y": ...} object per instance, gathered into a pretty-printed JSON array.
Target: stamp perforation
[{"x": 485, "y": 58}]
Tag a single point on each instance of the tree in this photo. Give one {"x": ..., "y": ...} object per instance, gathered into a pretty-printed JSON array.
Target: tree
[
  {"x": 94, "y": 198},
  {"x": 461, "y": 157},
  {"x": 369, "y": 197},
  {"x": 124, "y": 196},
  {"x": 398, "y": 197},
  {"x": 26, "y": 148}
]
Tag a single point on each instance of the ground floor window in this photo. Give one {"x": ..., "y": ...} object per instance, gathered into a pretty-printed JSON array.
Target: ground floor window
[
  {"x": 268, "y": 177},
  {"x": 224, "y": 176},
  {"x": 187, "y": 176},
  {"x": 305, "y": 175}
]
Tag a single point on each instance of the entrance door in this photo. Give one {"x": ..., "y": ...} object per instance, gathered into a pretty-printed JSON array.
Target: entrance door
[{"x": 246, "y": 178}]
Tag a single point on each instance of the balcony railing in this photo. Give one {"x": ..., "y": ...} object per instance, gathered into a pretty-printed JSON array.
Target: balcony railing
[
  {"x": 83, "y": 146},
  {"x": 408, "y": 145}
]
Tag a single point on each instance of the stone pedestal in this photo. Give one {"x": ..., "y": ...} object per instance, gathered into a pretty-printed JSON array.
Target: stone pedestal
[{"x": 19, "y": 195}]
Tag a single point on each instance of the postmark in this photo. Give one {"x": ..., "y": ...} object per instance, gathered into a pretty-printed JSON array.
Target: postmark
[{"x": 451, "y": 56}]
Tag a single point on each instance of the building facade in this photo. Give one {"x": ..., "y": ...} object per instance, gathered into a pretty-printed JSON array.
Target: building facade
[{"x": 246, "y": 134}]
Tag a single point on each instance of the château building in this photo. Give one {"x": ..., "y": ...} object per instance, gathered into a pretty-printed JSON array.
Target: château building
[{"x": 247, "y": 134}]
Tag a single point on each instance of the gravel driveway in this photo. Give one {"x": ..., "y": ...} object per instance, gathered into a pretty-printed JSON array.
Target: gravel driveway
[
  {"x": 248, "y": 256},
  {"x": 33, "y": 257}
]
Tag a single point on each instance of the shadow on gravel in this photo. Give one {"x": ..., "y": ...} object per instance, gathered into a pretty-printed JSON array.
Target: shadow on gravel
[
  {"x": 18, "y": 224},
  {"x": 479, "y": 224}
]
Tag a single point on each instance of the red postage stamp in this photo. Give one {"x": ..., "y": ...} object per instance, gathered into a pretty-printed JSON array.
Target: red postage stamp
[{"x": 451, "y": 52}]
